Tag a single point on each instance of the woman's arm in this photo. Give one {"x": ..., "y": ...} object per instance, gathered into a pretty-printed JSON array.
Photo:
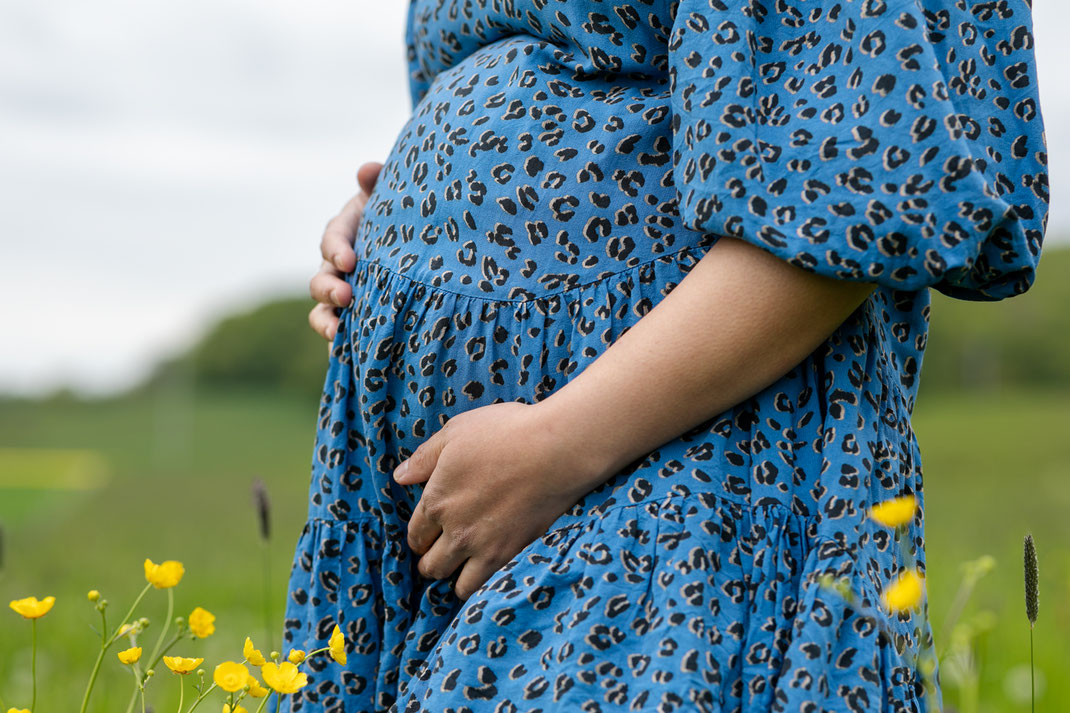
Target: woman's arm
[
  {"x": 736, "y": 323},
  {"x": 497, "y": 476}
]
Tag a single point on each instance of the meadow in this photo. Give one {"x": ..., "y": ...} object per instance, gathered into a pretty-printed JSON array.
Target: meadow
[{"x": 90, "y": 488}]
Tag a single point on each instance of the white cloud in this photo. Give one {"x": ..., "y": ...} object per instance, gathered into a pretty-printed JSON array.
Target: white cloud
[{"x": 163, "y": 161}]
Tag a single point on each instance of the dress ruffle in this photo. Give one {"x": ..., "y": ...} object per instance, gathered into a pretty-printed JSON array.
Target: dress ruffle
[
  {"x": 697, "y": 566},
  {"x": 686, "y": 603}
]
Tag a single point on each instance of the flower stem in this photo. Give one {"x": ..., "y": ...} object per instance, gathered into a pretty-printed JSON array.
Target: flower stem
[
  {"x": 201, "y": 697},
  {"x": 170, "y": 644},
  {"x": 267, "y": 590},
  {"x": 1032, "y": 675},
  {"x": 181, "y": 688},
  {"x": 166, "y": 626},
  {"x": 137, "y": 685},
  {"x": 278, "y": 702},
  {"x": 127, "y": 617},
  {"x": 263, "y": 702},
  {"x": 33, "y": 661}
]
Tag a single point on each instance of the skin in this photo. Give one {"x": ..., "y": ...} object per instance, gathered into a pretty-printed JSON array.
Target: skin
[{"x": 496, "y": 477}]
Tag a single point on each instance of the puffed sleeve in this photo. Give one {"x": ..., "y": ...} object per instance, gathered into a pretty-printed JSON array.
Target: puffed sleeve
[
  {"x": 419, "y": 82},
  {"x": 891, "y": 141}
]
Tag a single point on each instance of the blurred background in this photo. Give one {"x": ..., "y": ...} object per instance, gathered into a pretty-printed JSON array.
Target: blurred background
[{"x": 166, "y": 171}]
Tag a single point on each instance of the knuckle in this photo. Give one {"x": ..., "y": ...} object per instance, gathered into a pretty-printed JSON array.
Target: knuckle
[
  {"x": 463, "y": 538},
  {"x": 433, "y": 510}
]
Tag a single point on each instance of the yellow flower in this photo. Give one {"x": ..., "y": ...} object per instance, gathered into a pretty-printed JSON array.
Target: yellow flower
[
  {"x": 126, "y": 629},
  {"x": 93, "y": 595},
  {"x": 296, "y": 656},
  {"x": 337, "y": 646},
  {"x": 130, "y": 656},
  {"x": 30, "y": 608},
  {"x": 905, "y": 592},
  {"x": 251, "y": 654},
  {"x": 181, "y": 665},
  {"x": 201, "y": 623},
  {"x": 164, "y": 575},
  {"x": 256, "y": 690},
  {"x": 895, "y": 512},
  {"x": 235, "y": 709},
  {"x": 231, "y": 676},
  {"x": 284, "y": 677},
  {"x": 18, "y": 710}
]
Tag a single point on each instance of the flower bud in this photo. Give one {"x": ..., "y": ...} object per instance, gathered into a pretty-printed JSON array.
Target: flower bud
[
  {"x": 150, "y": 673},
  {"x": 93, "y": 595},
  {"x": 275, "y": 655},
  {"x": 201, "y": 672}
]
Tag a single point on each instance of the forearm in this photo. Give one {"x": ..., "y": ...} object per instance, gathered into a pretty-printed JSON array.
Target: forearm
[{"x": 739, "y": 320}]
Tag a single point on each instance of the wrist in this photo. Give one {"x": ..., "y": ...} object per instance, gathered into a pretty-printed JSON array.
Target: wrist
[{"x": 579, "y": 438}]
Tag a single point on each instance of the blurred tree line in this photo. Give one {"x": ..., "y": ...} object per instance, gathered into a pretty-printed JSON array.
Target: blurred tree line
[{"x": 1021, "y": 341}]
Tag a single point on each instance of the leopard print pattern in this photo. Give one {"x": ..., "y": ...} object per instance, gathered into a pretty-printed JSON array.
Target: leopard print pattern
[{"x": 566, "y": 165}]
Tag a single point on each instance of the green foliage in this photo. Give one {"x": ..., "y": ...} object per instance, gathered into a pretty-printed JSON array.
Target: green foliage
[
  {"x": 973, "y": 346},
  {"x": 272, "y": 348},
  {"x": 1019, "y": 341}
]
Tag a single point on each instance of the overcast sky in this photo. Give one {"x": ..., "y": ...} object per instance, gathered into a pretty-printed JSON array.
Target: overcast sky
[{"x": 162, "y": 163}]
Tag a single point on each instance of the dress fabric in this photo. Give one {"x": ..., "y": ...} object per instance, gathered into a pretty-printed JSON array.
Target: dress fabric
[{"x": 566, "y": 164}]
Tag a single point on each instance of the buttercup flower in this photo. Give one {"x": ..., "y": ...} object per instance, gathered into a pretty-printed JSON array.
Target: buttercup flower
[
  {"x": 130, "y": 656},
  {"x": 296, "y": 656},
  {"x": 284, "y": 677},
  {"x": 337, "y": 646},
  {"x": 251, "y": 654},
  {"x": 235, "y": 709},
  {"x": 181, "y": 665},
  {"x": 201, "y": 623},
  {"x": 31, "y": 608},
  {"x": 164, "y": 575},
  {"x": 895, "y": 512},
  {"x": 18, "y": 710},
  {"x": 256, "y": 690},
  {"x": 231, "y": 676},
  {"x": 127, "y": 629},
  {"x": 905, "y": 592}
]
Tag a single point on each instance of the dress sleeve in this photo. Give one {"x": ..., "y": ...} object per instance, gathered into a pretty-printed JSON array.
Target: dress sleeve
[
  {"x": 418, "y": 78},
  {"x": 891, "y": 141}
]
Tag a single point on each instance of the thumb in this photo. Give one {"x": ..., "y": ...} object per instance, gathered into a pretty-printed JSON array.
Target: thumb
[
  {"x": 418, "y": 467},
  {"x": 367, "y": 175}
]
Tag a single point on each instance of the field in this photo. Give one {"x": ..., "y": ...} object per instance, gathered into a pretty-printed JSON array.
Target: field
[{"x": 168, "y": 476}]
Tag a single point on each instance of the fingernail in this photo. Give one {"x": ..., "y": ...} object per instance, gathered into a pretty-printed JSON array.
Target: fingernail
[{"x": 401, "y": 471}]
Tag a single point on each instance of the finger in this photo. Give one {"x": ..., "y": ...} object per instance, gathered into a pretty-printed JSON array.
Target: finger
[
  {"x": 422, "y": 531},
  {"x": 336, "y": 245},
  {"x": 323, "y": 321},
  {"x": 418, "y": 467},
  {"x": 474, "y": 574},
  {"x": 368, "y": 175},
  {"x": 327, "y": 288},
  {"x": 443, "y": 559}
]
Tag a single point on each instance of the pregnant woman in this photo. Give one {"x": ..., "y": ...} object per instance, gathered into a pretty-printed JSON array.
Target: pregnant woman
[{"x": 627, "y": 345}]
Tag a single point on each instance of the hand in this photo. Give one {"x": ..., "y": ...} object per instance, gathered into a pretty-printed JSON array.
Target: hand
[
  {"x": 497, "y": 477},
  {"x": 327, "y": 286}
]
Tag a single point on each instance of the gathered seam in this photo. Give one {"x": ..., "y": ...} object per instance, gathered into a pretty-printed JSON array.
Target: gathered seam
[{"x": 665, "y": 259}]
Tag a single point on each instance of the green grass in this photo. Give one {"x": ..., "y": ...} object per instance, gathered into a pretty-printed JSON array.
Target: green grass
[{"x": 180, "y": 467}]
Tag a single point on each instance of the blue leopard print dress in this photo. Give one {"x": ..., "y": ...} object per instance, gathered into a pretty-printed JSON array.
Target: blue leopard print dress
[{"x": 566, "y": 164}]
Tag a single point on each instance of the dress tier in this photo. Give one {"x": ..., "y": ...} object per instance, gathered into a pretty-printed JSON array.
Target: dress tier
[{"x": 565, "y": 166}]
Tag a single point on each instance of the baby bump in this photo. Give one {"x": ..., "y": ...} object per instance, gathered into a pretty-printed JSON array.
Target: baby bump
[{"x": 520, "y": 174}]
